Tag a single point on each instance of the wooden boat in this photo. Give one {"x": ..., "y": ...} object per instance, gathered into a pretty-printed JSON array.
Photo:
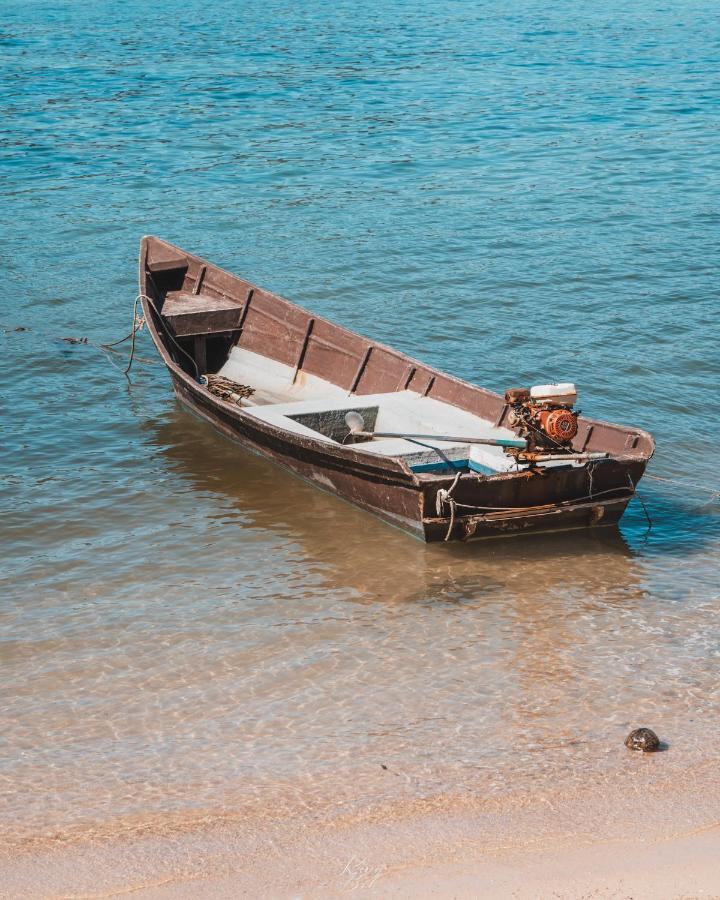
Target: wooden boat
[{"x": 429, "y": 455}]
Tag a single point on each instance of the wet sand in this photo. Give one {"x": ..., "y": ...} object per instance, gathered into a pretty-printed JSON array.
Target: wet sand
[
  {"x": 681, "y": 867},
  {"x": 652, "y": 832}
]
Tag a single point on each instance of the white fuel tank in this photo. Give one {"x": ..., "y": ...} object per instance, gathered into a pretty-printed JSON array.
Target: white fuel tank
[{"x": 564, "y": 394}]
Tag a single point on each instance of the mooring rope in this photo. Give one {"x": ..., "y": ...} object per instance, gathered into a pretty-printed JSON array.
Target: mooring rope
[
  {"x": 443, "y": 496},
  {"x": 590, "y": 469},
  {"x": 167, "y": 333},
  {"x": 642, "y": 502},
  {"x": 138, "y": 325},
  {"x": 542, "y": 505},
  {"x": 683, "y": 484},
  {"x": 105, "y": 348}
]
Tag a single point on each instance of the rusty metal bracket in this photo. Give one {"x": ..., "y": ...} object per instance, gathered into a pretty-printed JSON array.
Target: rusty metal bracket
[
  {"x": 303, "y": 348},
  {"x": 588, "y": 435},
  {"x": 200, "y": 279},
  {"x": 503, "y": 412},
  {"x": 360, "y": 369},
  {"x": 408, "y": 377}
]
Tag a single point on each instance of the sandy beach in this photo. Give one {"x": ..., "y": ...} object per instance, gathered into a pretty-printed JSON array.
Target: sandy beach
[
  {"x": 678, "y": 868},
  {"x": 653, "y": 833}
]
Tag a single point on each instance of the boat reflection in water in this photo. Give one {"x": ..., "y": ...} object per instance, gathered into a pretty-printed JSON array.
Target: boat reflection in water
[{"x": 379, "y": 563}]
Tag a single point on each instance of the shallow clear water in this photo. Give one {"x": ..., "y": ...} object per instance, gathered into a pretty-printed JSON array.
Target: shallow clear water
[{"x": 188, "y": 632}]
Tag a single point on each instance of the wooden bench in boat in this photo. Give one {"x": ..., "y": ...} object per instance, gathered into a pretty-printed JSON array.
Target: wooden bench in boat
[
  {"x": 199, "y": 316},
  {"x": 190, "y": 315}
]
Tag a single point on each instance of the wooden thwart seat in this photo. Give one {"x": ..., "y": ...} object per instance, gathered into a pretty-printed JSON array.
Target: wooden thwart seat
[{"x": 196, "y": 314}]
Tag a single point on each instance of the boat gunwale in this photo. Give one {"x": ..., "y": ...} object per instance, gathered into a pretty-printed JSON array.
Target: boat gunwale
[{"x": 346, "y": 454}]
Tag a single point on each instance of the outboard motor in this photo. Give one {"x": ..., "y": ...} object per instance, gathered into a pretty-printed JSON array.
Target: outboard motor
[{"x": 544, "y": 416}]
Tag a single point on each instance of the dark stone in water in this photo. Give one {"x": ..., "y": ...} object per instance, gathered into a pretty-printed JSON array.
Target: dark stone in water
[{"x": 643, "y": 739}]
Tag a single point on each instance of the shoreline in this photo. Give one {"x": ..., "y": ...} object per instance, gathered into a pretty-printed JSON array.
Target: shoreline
[
  {"x": 677, "y": 868},
  {"x": 654, "y": 833}
]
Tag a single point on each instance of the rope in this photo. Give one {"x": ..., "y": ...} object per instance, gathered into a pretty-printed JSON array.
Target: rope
[
  {"x": 590, "y": 469},
  {"x": 452, "y": 520},
  {"x": 682, "y": 483},
  {"x": 228, "y": 390},
  {"x": 144, "y": 359},
  {"x": 444, "y": 496},
  {"x": 138, "y": 324},
  {"x": 105, "y": 349},
  {"x": 524, "y": 508},
  {"x": 167, "y": 333},
  {"x": 642, "y": 502}
]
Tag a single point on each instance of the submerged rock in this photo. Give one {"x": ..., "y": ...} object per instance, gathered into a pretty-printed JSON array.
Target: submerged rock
[{"x": 643, "y": 739}]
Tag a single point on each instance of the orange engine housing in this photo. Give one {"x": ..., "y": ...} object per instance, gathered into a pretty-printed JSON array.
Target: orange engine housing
[{"x": 559, "y": 424}]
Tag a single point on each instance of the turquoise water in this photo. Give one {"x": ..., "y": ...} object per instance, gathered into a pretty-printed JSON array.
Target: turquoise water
[{"x": 514, "y": 195}]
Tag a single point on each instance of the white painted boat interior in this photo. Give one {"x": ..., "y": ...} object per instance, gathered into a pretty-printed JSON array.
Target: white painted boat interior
[
  {"x": 274, "y": 382},
  {"x": 281, "y": 394}
]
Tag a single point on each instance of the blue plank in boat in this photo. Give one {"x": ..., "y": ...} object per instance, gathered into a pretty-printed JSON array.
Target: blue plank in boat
[{"x": 441, "y": 466}]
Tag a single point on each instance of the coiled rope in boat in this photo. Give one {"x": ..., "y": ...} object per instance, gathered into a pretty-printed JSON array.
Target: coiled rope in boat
[{"x": 227, "y": 390}]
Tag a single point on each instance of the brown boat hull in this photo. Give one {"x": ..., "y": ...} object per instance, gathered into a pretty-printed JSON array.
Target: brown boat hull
[
  {"x": 408, "y": 506},
  {"x": 555, "y": 499}
]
